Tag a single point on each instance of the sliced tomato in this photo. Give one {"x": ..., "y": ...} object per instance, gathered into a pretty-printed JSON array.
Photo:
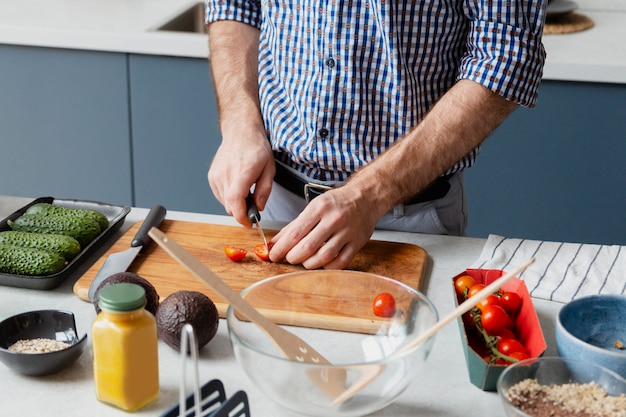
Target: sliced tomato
[
  {"x": 235, "y": 253},
  {"x": 262, "y": 252},
  {"x": 384, "y": 305}
]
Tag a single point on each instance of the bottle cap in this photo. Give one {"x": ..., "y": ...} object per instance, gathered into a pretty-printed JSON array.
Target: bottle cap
[{"x": 122, "y": 297}]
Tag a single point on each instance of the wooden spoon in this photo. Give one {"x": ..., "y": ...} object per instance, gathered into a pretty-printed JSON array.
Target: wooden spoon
[
  {"x": 369, "y": 373},
  {"x": 329, "y": 380}
]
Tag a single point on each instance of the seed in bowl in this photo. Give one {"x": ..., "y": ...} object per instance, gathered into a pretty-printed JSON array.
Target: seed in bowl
[
  {"x": 566, "y": 400},
  {"x": 39, "y": 345}
]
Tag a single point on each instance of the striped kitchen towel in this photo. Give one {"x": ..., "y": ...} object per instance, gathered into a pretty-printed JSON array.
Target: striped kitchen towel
[{"x": 561, "y": 271}]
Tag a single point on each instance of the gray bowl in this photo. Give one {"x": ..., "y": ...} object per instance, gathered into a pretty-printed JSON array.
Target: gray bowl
[
  {"x": 589, "y": 328},
  {"x": 50, "y": 324}
]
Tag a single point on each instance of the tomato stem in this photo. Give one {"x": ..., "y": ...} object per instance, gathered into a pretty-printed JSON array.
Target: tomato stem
[{"x": 490, "y": 341}]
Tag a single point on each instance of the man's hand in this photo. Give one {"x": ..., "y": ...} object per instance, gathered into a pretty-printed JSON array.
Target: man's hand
[
  {"x": 238, "y": 164},
  {"x": 328, "y": 233}
]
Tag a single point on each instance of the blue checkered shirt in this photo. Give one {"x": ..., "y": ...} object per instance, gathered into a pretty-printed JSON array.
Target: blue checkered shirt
[{"x": 340, "y": 81}]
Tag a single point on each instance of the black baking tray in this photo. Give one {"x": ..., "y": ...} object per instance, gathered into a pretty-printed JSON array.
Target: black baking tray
[{"x": 115, "y": 214}]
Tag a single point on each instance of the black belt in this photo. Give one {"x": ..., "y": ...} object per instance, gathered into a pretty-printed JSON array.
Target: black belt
[{"x": 309, "y": 190}]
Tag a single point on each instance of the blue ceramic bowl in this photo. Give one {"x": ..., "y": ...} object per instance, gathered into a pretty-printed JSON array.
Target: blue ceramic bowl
[
  {"x": 592, "y": 328},
  {"x": 49, "y": 324}
]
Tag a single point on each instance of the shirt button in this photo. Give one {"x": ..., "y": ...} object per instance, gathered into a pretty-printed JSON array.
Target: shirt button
[
  {"x": 330, "y": 62},
  {"x": 323, "y": 133}
]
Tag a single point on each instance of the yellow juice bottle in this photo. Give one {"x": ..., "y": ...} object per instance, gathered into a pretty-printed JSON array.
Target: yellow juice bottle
[{"x": 125, "y": 348}]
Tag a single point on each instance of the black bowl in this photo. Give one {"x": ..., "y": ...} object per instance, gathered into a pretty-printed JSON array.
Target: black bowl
[{"x": 50, "y": 324}]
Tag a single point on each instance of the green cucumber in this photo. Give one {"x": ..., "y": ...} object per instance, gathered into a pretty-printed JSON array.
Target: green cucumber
[
  {"x": 54, "y": 210},
  {"x": 80, "y": 228},
  {"x": 66, "y": 246},
  {"x": 29, "y": 261}
]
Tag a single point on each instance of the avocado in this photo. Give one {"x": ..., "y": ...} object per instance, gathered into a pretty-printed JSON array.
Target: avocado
[
  {"x": 184, "y": 307},
  {"x": 152, "y": 297}
]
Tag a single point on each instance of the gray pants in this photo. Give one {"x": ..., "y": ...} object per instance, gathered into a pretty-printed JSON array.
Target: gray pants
[{"x": 446, "y": 216}]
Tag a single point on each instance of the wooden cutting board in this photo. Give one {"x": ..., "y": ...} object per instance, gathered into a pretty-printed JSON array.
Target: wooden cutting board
[{"x": 401, "y": 261}]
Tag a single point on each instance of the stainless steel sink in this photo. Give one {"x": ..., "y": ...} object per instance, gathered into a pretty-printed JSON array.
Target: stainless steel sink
[{"x": 191, "y": 20}]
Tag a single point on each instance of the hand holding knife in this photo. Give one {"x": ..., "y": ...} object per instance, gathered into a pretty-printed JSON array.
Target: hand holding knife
[{"x": 255, "y": 217}]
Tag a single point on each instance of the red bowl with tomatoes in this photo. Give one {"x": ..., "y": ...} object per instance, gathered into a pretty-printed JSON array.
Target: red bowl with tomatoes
[{"x": 501, "y": 330}]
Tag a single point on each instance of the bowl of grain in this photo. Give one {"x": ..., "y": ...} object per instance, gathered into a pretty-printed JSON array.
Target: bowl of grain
[
  {"x": 40, "y": 342},
  {"x": 558, "y": 387}
]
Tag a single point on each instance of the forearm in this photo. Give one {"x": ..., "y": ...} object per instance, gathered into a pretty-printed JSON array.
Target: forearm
[
  {"x": 233, "y": 57},
  {"x": 458, "y": 123}
]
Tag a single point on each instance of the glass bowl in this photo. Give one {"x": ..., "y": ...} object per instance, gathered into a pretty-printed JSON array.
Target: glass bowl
[
  {"x": 56, "y": 325},
  {"x": 333, "y": 312},
  {"x": 556, "y": 371}
]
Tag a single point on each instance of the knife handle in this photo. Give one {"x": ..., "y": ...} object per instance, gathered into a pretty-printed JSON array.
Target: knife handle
[
  {"x": 253, "y": 211},
  {"x": 154, "y": 218}
]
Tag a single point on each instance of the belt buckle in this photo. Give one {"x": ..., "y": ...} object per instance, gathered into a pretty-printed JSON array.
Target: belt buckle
[{"x": 312, "y": 190}]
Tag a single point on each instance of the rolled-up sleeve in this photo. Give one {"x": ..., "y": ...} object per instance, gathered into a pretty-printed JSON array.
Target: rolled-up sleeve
[
  {"x": 504, "y": 48},
  {"x": 239, "y": 10}
]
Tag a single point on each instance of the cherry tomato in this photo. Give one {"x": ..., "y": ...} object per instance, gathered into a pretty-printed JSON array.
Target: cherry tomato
[
  {"x": 262, "y": 252},
  {"x": 463, "y": 283},
  {"x": 384, "y": 305},
  {"x": 510, "y": 324},
  {"x": 468, "y": 320},
  {"x": 235, "y": 253},
  {"x": 494, "y": 319},
  {"x": 505, "y": 334},
  {"x": 509, "y": 346},
  {"x": 490, "y": 300},
  {"x": 474, "y": 289},
  {"x": 511, "y": 302},
  {"x": 520, "y": 356}
]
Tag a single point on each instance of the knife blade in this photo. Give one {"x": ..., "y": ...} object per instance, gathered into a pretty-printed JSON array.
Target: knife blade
[
  {"x": 255, "y": 217},
  {"x": 120, "y": 261}
]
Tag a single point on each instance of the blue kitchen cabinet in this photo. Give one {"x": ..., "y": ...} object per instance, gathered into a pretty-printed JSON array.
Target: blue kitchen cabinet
[
  {"x": 556, "y": 172},
  {"x": 175, "y": 132},
  {"x": 64, "y": 124}
]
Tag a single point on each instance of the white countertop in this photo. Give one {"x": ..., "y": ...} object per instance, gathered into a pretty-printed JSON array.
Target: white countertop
[
  {"x": 443, "y": 390},
  {"x": 128, "y": 26}
]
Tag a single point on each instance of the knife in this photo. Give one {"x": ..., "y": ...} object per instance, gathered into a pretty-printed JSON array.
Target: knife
[
  {"x": 255, "y": 217},
  {"x": 120, "y": 261}
]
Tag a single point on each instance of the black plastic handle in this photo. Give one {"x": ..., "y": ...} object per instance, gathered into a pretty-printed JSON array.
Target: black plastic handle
[
  {"x": 153, "y": 219},
  {"x": 253, "y": 211}
]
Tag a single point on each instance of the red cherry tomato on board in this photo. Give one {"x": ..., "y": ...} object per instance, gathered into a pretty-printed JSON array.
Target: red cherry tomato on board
[
  {"x": 384, "y": 305},
  {"x": 262, "y": 252},
  {"x": 235, "y": 253}
]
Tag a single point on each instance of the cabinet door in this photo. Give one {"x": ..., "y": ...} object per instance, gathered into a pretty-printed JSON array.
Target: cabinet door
[
  {"x": 64, "y": 124},
  {"x": 556, "y": 172},
  {"x": 174, "y": 132}
]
